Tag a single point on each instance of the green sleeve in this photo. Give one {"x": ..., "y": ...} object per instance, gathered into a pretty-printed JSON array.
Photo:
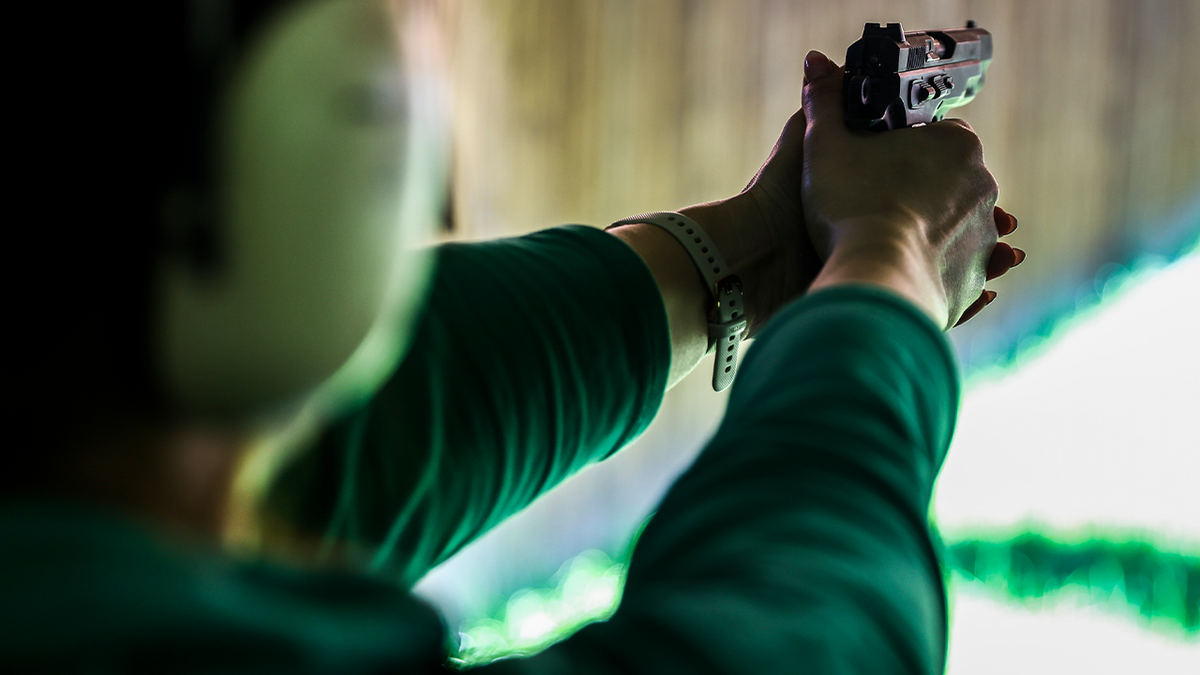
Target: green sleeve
[
  {"x": 798, "y": 542},
  {"x": 535, "y": 356}
]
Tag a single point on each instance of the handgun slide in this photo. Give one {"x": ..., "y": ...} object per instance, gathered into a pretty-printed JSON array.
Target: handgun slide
[{"x": 897, "y": 79}]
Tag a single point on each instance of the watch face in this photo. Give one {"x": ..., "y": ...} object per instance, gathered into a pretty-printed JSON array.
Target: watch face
[{"x": 331, "y": 172}]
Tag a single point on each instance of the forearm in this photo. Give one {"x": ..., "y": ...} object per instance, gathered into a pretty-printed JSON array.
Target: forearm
[
  {"x": 683, "y": 293},
  {"x": 803, "y": 523},
  {"x": 800, "y": 534},
  {"x": 536, "y": 356}
]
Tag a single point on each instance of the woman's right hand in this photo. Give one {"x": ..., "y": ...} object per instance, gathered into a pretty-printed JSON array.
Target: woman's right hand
[{"x": 909, "y": 209}]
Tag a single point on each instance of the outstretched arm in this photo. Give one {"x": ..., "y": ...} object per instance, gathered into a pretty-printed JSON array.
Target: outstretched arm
[
  {"x": 535, "y": 356},
  {"x": 798, "y": 541}
]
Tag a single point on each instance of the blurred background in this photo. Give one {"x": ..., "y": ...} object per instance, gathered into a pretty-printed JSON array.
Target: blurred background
[{"x": 1070, "y": 505}]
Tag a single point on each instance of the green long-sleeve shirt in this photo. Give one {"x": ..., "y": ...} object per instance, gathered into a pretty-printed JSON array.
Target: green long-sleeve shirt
[{"x": 797, "y": 541}]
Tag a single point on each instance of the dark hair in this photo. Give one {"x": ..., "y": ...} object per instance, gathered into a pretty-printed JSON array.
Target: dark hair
[{"x": 113, "y": 109}]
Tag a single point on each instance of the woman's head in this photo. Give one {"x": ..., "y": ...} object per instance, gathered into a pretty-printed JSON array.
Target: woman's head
[{"x": 225, "y": 202}]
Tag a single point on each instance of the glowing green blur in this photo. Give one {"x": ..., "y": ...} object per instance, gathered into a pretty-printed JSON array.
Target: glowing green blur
[
  {"x": 1158, "y": 590},
  {"x": 587, "y": 588}
]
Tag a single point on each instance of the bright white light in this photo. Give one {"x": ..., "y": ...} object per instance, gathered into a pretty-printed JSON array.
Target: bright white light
[
  {"x": 995, "y": 638},
  {"x": 1100, "y": 431},
  {"x": 602, "y": 593},
  {"x": 536, "y": 626}
]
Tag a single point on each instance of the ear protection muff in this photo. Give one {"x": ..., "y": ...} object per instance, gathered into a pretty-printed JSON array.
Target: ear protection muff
[{"x": 329, "y": 171}]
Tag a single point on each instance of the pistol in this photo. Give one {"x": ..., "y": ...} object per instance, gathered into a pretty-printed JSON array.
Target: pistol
[{"x": 896, "y": 79}]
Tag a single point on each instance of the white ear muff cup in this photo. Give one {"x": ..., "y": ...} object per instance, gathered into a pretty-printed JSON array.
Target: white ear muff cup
[{"x": 331, "y": 175}]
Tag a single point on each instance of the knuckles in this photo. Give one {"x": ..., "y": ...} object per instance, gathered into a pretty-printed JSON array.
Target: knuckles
[
  {"x": 955, "y": 121},
  {"x": 958, "y": 136}
]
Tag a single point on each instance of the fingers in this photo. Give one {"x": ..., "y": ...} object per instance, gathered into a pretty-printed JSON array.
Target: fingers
[
  {"x": 789, "y": 149},
  {"x": 823, "y": 91},
  {"x": 790, "y": 146},
  {"x": 1006, "y": 224},
  {"x": 817, "y": 65},
  {"x": 985, "y": 298},
  {"x": 1004, "y": 257}
]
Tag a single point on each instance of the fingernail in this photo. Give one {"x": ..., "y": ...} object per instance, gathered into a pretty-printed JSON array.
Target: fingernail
[
  {"x": 817, "y": 65},
  {"x": 1014, "y": 222},
  {"x": 1020, "y": 256},
  {"x": 991, "y": 295}
]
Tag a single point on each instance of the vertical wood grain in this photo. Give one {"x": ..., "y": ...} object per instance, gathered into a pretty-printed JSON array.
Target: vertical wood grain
[{"x": 591, "y": 110}]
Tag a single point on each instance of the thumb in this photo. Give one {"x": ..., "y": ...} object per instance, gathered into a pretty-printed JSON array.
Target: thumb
[{"x": 823, "y": 90}]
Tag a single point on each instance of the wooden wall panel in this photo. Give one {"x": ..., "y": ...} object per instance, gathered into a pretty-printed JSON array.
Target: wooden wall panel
[
  {"x": 590, "y": 110},
  {"x": 587, "y": 110}
]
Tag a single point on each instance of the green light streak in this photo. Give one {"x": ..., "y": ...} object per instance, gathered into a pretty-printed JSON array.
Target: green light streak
[
  {"x": 587, "y": 588},
  {"x": 1158, "y": 590}
]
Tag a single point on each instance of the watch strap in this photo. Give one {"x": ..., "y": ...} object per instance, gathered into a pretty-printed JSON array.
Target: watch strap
[{"x": 727, "y": 316}]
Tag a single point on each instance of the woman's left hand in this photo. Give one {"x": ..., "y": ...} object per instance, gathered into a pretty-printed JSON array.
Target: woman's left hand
[{"x": 761, "y": 232}]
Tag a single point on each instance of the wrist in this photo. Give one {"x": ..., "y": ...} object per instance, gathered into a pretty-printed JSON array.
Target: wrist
[
  {"x": 734, "y": 226},
  {"x": 764, "y": 240},
  {"x": 682, "y": 289},
  {"x": 725, "y": 321},
  {"x": 889, "y": 253}
]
